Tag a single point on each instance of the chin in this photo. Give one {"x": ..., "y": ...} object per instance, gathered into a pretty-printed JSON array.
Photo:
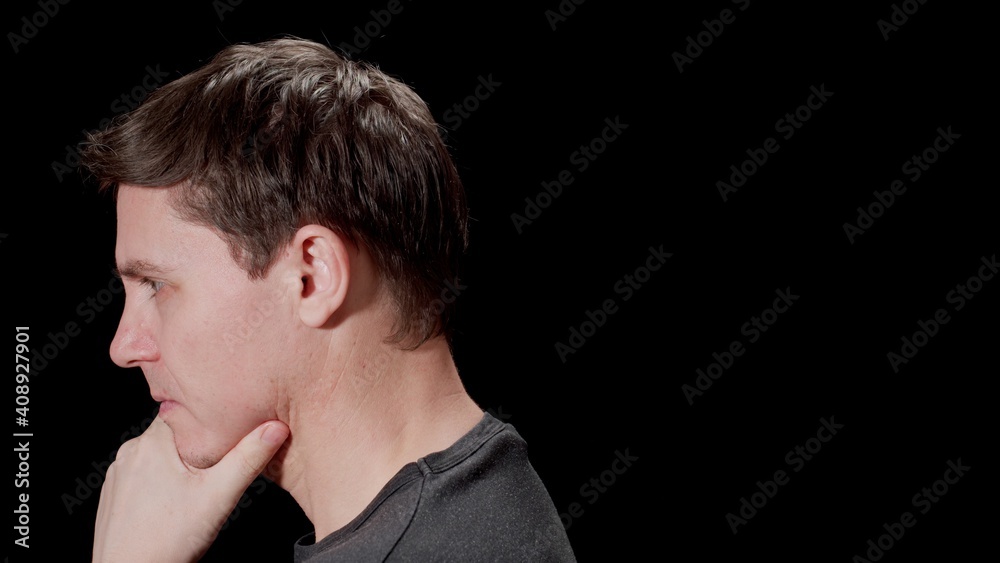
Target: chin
[
  {"x": 199, "y": 452},
  {"x": 202, "y": 448},
  {"x": 202, "y": 461},
  {"x": 199, "y": 458}
]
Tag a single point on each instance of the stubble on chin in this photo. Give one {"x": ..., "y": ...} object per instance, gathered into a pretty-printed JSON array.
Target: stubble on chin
[
  {"x": 196, "y": 459},
  {"x": 201, "y": 461}
]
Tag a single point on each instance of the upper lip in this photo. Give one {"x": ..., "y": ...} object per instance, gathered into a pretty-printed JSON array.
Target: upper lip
[{"x": 160, "y": 397}]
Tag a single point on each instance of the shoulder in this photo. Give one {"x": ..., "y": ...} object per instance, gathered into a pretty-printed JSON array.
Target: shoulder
[
  {"x": 478, "y": 500},
  {"x": 481, "y": 500}
]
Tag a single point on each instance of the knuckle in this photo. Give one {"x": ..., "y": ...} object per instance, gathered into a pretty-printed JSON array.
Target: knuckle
[{"x": 247, "y": 468}]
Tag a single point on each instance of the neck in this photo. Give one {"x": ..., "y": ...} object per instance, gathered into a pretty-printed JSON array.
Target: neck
[{"x": 353, "y": 429}]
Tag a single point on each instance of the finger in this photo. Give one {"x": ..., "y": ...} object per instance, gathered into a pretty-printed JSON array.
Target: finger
[
  {"x": 157, "y": 439},
  {"x": 163, "y": 435},
  {"x": 158, "y": 429},
  {"x": 247, "y": 460}
]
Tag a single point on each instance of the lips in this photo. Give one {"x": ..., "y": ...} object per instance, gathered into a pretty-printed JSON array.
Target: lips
[
  {"x": 167, "y": 406},
  {"x": 166, "y": 403},
  {"x": 159, "y": 397}
]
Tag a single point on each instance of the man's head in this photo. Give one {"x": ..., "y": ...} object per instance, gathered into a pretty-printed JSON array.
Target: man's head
[
  {"x": 268, "y": 138},
  {"x": 266, "y": 173}
]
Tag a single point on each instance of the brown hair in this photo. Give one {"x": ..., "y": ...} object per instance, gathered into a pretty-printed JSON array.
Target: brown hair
[{"x": 267, "y": 138}]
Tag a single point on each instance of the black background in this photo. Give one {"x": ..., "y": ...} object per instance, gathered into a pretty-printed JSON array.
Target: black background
[{"x": 654, "y": 185}]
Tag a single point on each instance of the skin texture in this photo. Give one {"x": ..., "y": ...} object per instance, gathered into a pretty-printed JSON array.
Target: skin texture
[
  {"x": 302, "y": 350},
  {"x": 182, "y": 507},
  {"x": 185, "y": 333}
]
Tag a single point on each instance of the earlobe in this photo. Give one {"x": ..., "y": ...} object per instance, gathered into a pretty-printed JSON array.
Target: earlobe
[{"x": 324, "y": 268}]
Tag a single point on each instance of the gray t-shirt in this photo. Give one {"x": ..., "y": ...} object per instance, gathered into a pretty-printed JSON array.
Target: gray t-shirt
[{"x": 478, "y": 500}]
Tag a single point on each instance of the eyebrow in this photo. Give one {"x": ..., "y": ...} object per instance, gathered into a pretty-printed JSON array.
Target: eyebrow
[{"x": 135, "y": 269}]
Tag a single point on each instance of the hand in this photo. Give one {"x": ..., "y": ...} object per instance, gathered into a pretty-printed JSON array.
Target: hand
[{"x": 154, "y": 507}]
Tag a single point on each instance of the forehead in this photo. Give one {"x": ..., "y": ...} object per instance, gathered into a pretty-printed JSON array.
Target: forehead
[
  {"x": 151, "y": 233},
  {"x": 143, "y": 210},
  {"x": 153, "y": 238},
  {"x": 134, "y": 200}
]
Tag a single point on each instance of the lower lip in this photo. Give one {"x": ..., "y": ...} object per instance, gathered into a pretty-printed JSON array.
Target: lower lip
[{"x": 167, "y": 406}]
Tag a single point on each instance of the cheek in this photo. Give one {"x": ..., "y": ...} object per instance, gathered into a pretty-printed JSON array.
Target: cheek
[
  {"x": 218, "y": 354},
  {"x": 231, "y": 346},
  {"x": 204, "y": 338},
  {"x": 252, "y": 332}
]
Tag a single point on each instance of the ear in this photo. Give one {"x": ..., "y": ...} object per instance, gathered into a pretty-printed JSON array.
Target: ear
[{"x": 321, "y": 259}]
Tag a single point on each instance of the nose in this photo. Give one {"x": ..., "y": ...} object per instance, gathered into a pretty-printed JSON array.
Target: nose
[{"x": 134, "y": 340}]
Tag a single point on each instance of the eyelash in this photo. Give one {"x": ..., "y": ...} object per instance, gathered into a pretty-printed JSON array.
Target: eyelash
[{"x": 153, "y": 285}]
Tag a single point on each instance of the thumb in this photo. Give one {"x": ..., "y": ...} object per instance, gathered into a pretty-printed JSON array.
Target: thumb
[{"x": 234, "y": 472}]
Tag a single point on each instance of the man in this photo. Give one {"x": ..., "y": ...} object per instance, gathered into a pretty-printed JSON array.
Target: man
[{"x": 289, "y": 227}]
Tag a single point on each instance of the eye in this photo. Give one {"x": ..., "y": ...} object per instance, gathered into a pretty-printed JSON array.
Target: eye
[{"x": 154, "y": 285}]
